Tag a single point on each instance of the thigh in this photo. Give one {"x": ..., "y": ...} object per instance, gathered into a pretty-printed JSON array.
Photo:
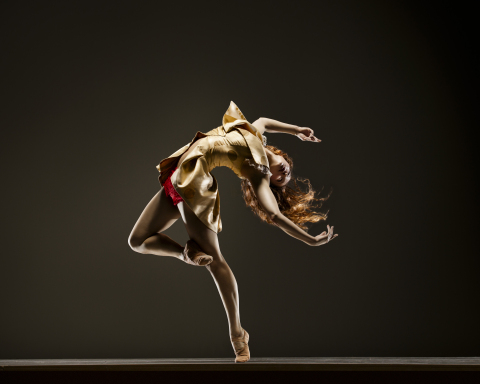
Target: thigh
[
  {"x": 200, "y": 233},
  {"x": 158, "y": 215}
]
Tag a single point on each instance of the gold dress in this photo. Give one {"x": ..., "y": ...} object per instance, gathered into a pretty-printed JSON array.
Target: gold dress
[{"x": 228, "y": 145}]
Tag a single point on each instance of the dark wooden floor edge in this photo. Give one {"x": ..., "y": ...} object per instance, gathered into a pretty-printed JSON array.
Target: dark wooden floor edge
[{"x": 245, "y": 367}]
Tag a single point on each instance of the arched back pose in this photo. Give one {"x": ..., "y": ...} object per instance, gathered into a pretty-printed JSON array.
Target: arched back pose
[{"x": 189, "y": 190}]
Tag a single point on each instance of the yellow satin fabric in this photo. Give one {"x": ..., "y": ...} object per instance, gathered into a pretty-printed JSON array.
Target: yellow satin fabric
[{"x": 227, "y": 145}]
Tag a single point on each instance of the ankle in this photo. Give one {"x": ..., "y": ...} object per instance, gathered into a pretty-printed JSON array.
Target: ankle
[{"x": 237, "y": 335}]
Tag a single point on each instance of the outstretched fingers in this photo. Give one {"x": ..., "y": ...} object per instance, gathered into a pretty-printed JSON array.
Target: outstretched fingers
[{"x": 331, "y": 236}]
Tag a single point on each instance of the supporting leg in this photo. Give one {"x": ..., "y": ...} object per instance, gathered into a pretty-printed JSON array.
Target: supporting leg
[
  {"x": 219, "y": 269},
  {"x": 228, "y": 289}
]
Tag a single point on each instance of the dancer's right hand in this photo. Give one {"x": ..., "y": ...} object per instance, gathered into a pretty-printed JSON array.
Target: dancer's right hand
[
  {"x": 306, "y": 134},
  {"x": 324, "y": 237}
]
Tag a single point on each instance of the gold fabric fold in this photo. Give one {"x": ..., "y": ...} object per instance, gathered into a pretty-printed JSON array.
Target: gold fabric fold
[
  {"x": 234, "y": 118},
  {"x": 227, "y": 145}
]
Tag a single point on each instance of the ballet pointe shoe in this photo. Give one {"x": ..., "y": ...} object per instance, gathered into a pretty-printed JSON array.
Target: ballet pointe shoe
[
  {"x": 240, "y": 346},
  {"x": 193, "y": 255}
]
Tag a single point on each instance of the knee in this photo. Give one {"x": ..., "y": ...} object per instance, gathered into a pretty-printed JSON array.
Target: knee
[
  {"x": 218, "y": 264},
  {"x": 135, "y": 243}
]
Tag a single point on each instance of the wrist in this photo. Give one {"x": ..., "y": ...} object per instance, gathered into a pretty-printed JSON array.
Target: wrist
[{"x": 311, "y": 240}]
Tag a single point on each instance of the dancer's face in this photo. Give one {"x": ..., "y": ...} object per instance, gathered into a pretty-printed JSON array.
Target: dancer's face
[{"x": 281, "y": 172}]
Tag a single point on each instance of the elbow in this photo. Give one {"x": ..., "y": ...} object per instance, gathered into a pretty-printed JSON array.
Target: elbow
[{"x": 274, "y": 216}]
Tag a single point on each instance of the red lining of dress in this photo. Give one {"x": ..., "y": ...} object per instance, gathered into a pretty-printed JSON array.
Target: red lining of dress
[{"x": 170, "y": 191}]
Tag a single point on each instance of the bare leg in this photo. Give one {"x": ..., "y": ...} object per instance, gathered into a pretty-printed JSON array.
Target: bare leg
[
  {"x": 158, "y": 215},
  {"x": 221, "y": 272}
]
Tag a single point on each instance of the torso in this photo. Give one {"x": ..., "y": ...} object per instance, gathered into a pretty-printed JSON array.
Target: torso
[{"x": 231, "y": 151}]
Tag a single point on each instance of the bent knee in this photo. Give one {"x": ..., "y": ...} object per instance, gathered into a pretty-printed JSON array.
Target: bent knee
[{"x": 135, "y": 243}]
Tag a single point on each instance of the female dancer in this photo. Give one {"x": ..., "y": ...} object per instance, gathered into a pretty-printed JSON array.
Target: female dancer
[{"x": 189, "y": 190}]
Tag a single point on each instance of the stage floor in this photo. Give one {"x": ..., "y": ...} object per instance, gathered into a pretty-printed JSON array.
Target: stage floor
[{"x": 255, "y": 364}]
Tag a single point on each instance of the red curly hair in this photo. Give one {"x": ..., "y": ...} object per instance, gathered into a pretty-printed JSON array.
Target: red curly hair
[{"x": 292, "y": 201}]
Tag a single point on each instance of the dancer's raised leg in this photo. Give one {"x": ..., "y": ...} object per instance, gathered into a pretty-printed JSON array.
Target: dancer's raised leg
[
  {"x": 221, "y": 272},
  {"x": 158, "y": 215}
]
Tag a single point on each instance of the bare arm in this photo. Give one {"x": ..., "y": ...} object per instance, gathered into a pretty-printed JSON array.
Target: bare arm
[
  {"x": 271, "y": 126},
  {"x": 261, "y": 188}
]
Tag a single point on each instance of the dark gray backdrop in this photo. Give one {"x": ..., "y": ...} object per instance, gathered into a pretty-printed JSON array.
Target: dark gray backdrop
[{"x": 96, "y": 94}]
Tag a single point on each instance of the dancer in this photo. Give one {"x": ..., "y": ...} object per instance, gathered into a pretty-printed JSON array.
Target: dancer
[{"x": 189, "y": 190}]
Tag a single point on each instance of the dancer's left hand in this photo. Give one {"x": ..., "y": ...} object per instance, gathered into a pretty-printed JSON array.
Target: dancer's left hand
[
  {"x": 325, "y": 237},
  {"x": 306, "y": 134}
]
